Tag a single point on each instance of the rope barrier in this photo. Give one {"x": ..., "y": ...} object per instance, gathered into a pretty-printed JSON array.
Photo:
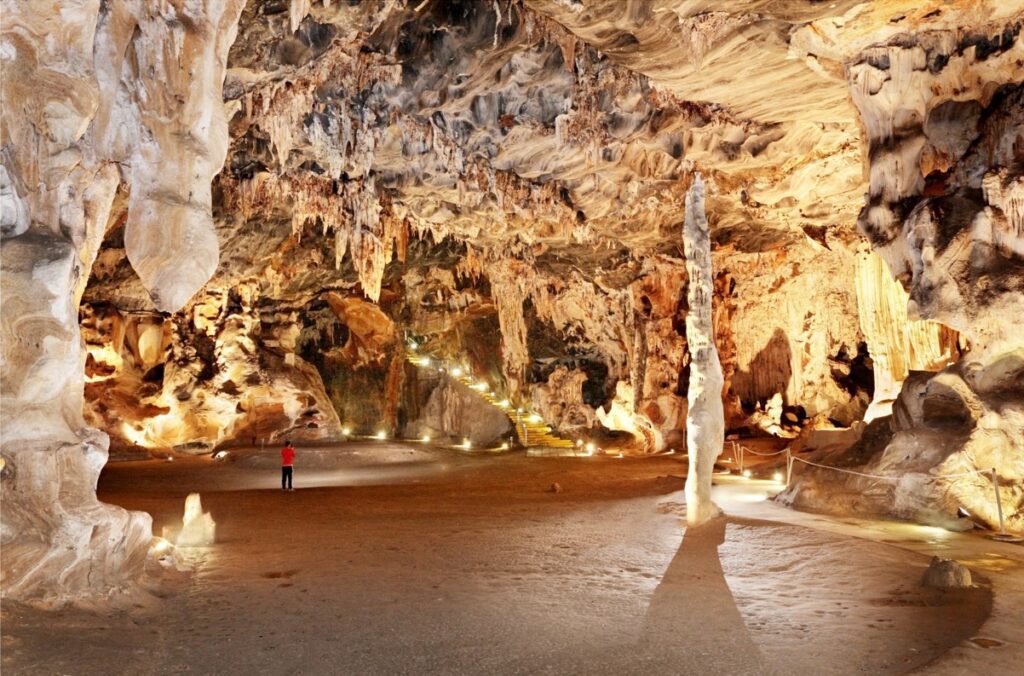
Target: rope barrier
[
  {"x": 889, "y": 478},
  {"x": 762, "y": 455},
  {"x": 991, "y": 473},
  {"x": 739, "y": 451}
]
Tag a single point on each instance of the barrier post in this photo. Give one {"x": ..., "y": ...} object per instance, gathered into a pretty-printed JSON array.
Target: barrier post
[
  {"x": 789, "y": 465},
  {"x": 999, "y": 502},
  {"x": 739, "y": 447}
]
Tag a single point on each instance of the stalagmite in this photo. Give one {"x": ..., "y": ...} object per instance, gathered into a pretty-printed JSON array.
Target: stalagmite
[
  {"x": 197, "y": 527},
  {"x": 705, "y": 419}
]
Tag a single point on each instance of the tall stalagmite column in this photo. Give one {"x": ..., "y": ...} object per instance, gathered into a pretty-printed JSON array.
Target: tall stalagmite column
[{"x": 705, "y": 419}]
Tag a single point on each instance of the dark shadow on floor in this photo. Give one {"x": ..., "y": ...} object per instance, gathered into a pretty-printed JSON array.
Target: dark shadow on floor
[{"x": 692, "y": 620}]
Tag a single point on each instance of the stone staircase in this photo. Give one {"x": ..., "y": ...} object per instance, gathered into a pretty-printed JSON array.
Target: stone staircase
[{"x": 531, "y": 429}]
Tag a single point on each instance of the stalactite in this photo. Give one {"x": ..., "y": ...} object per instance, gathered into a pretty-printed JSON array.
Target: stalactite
[
  {"x": 297, "y": 11},
  {"x": 705, "y": 420},
  {"x": 283, "y": 115},
  {"x": 638, "y": 364},
  {"x": 361, "y": 220}
]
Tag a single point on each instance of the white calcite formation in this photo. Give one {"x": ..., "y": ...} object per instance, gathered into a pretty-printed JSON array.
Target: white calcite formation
[
  {"x": 198, "y": 528},
  {"x": 94, "y": 95},
  {"x": 705, "y": 417}
]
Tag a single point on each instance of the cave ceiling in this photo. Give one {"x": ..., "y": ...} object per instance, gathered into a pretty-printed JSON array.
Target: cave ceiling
[{"x": 557, "y": 132}]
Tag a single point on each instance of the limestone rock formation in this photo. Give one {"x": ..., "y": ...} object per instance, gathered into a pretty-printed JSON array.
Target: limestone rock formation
[
  {"x": 258, "y": 210},
  {"x": 946, "y": 574},
  {"x": 455, "y": 414},
  {"x": 93, "y": 94},
  {"x": 211, "y": 378},
  {"x": 897, "y": 344},
  {"x": 945, "y": 127},
  {"x": 705, "y": 417},
  {"x": 58, "y": 541}
]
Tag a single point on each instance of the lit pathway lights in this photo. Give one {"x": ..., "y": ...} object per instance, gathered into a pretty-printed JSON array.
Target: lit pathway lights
[{"x": 531, "y": 429}]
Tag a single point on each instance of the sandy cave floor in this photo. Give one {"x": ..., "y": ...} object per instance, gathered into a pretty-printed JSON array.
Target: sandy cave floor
[{"x": 393, "y": 558}]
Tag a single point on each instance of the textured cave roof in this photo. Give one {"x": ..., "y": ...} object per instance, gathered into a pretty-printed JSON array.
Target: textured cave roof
[{"x": 549, "y": 130}]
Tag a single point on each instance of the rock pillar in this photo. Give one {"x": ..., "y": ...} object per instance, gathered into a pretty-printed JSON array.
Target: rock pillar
[{"x": 705, "y": 419}]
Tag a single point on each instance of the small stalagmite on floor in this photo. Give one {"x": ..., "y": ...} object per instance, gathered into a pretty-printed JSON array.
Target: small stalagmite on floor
[{"x": 197, "y": 527}]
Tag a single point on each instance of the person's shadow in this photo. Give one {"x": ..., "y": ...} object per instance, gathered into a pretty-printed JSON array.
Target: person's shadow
[{"x": 692, "y": 622}]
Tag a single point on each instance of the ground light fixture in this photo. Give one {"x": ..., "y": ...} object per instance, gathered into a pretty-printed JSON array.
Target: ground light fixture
[
  {"x": 382, "y": 435},
  {"x": 456, "y": 372},
  {"x": 777, "y": 477},
  {"x": 346, "y": 431},
  {"x": 161, "y": 546},
  {"x": 466, "y": 444}
]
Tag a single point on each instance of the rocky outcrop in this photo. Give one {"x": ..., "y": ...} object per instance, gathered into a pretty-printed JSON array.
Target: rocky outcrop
[
  {"x": 455, "y": 414},
  {"x": 203, "y": 380},
  {"x": 560, "y": 400},
  {"x": 945, "y": 120}
]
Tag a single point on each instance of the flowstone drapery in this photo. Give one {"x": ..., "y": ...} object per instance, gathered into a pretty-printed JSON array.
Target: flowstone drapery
[{"x": 705, "y": 419}]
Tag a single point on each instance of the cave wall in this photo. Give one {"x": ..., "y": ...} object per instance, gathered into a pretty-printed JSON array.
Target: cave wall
[
  {"x": 944, "y": 125},
  {"x": 797, "y": 330},
  {"x": 200, "y": 379},
  {"x": 897, "y": 344}
]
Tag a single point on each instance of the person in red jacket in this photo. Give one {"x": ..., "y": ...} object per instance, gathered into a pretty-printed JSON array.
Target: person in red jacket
[{"x": 287, "y": 458}]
